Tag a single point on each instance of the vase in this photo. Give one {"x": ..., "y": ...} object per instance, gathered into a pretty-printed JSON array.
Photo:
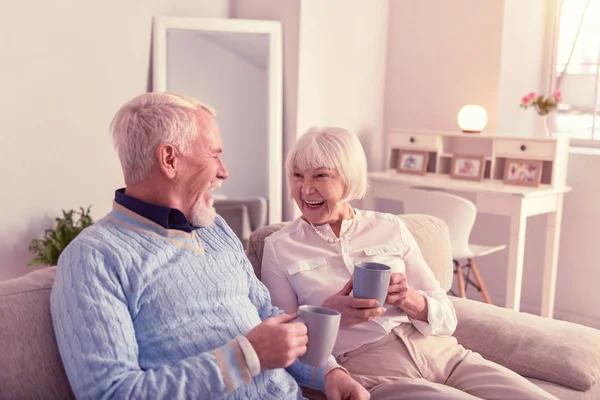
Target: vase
[{"x": 542, "y": 129}]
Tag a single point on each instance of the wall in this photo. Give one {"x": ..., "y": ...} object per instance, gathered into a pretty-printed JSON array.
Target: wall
[
  {"x": 66, "y": 68},
  {"x": 342, "y": 69},
  {"x": 441, "y": 56},
  {"x": 426, "y": 86},
  {"x": 237, "y": 89},
  {"x": 524, "y": 40},
  {"x": 288, "y": 13},
  {"x": 333, "y": 72}
]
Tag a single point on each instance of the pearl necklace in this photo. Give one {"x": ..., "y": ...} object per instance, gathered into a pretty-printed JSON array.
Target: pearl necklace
[{"x": 337, "y": 239}]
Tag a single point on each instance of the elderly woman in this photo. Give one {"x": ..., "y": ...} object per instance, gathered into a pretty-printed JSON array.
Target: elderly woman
[{"x": 405, "y": 349}]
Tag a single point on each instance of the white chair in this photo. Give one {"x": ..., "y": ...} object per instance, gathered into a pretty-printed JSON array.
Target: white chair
[
  {"x": 459, "y": 214},
  {"x": 244, "y": 215}
]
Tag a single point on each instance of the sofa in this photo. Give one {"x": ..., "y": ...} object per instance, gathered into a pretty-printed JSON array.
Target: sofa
[{"x": 561, "y": 357}]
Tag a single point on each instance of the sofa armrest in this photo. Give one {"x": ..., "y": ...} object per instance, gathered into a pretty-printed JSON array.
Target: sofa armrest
[{"x": 551, "y": 350}]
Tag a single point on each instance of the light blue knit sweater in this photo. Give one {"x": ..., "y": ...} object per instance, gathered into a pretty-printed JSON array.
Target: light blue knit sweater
[{"x": 143, "y": 312}]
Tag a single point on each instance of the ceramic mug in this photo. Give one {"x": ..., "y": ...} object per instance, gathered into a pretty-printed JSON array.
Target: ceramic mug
[
  {"x": 371, "y": 280},
  {"x": 323, "y": 325}
]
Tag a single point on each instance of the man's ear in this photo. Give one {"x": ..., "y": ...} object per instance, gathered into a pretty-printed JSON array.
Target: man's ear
[{"x": 168, "y": 159}]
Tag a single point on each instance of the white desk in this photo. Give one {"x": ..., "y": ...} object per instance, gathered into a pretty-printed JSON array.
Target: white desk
[{"x": 494, "y": 197}]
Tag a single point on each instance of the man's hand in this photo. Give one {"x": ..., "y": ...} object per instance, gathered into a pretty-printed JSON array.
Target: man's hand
[
  {"x": 278, "y": 342},
  {"x": 340, "y": 386},
  {"x": 354, "y": 311}
]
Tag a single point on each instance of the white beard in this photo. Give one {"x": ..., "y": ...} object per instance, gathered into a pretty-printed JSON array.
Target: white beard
[{"x": 204, "y": 216}]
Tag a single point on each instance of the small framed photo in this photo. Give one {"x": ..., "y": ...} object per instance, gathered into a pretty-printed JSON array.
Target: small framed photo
[
  {"x": 523, "y": 172},
  {"x": 470, "y": 167},
  {"x": 412, "y": 162}
]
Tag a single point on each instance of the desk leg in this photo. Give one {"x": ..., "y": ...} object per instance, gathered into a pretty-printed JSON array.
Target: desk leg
[
  {"x": 516, "y": 251},
  {"x": 551, "y": 258}
]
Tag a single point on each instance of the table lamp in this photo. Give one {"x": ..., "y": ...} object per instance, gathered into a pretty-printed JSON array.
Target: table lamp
[{"x": 472, "y": 118}]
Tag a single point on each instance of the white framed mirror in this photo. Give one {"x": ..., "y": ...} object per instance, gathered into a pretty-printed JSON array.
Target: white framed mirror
[{"x": 235, "y": 67}]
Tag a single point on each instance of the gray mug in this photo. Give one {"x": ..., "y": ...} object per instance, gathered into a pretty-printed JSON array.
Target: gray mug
[
  {"x": 323, "y": 325},
  {"x": 371, "y": 280}
]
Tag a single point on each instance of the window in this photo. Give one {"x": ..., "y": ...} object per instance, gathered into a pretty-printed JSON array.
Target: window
[{"x": 577, "y": 70}]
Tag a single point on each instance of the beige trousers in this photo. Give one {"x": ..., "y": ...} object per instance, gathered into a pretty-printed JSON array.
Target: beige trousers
[{"x": 407, "y": 365}]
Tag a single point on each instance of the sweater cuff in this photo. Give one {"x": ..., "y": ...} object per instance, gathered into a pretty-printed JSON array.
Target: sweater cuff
[
  {"x": 232, "y": 365},
  {"x": 250, "y": 356},
  {"x": 319, "y": 374}
]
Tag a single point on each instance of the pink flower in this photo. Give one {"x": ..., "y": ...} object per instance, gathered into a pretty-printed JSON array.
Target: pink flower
[
  {"x": 543, "y": 104},
  {"x": 557, "y": 95}
]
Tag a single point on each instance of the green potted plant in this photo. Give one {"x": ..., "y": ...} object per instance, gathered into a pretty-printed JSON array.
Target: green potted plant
[{"x": 55, "y": 240}]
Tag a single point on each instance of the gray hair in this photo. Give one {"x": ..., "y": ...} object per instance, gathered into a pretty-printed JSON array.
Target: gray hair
[
  {"x": 148, "y": 120},
  {"x": 332, "y": 148}
]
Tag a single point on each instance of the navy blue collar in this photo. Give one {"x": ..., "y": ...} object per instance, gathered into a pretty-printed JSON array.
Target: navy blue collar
[{"x": 168, "y": 218}]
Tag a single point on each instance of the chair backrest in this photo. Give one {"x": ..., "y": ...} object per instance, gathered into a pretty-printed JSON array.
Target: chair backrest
[
  {"x": 457, "y": 212},
  {"x": 243, "y": 215}
]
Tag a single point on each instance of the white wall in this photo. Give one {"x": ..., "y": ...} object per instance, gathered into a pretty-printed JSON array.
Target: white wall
[
  {"x": 333, "y": 72},
  {"x": 441, "y": 56},
  {"x": 66, "y": 67},
  {"x": 288, "y": 13},
  {"x": 342, "y": 68},
  {"x": 428, "y": 81},
  {"x": 237, "y": 89},
  {"x": 524, "y": 40}
]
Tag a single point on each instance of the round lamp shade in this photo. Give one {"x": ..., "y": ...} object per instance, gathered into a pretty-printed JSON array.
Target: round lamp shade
[{"x": 472, "y": 119}]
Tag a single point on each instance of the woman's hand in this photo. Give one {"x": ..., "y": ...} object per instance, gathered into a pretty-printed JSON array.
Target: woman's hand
[
  {"x": 398, "y": 290},
  {"x": 408, "y": 300},
  {"x": 354, "y": 311}
]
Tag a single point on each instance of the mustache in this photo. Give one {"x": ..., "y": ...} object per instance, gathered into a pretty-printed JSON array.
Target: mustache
[{"x": 216, "y": 184}]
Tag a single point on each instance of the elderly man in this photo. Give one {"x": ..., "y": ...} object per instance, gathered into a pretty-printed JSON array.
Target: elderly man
[{"x": 157, "y": 299}]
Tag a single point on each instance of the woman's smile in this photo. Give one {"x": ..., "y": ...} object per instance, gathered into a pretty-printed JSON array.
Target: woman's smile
[{"x": 314, "y": 204}]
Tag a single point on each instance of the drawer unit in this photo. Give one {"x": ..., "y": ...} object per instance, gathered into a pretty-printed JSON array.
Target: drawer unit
[
  {"x": 525, "y": 149},
  {"x": 417, "y": 142}
]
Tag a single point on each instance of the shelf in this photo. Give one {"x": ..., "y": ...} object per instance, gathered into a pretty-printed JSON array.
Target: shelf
[
  {"x": 445, "y": 182},
  {"x": 495, "y": 150},
  {"x": 450, "y": 155}
]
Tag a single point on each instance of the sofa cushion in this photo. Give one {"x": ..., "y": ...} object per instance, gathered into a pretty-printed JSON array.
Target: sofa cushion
[
  {"x": 431, "y": 234},
  {"x": 535, "y": 347},
  {"x": 30, "y": 365}
]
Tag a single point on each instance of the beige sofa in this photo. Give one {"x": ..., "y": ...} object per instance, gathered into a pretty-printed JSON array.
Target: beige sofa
[{"x": 563, "y": 358}]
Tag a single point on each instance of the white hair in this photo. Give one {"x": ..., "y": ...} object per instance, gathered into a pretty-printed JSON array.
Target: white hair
[
  {"x": 332, "y": 148},
  {"x": 148, "y": 120}
]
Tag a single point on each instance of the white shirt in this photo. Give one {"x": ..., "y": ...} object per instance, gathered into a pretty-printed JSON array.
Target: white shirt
[{"x": 299, "y": 267}]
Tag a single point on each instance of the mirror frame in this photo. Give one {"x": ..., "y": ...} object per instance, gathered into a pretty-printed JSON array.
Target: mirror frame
[{"x": 272, "y": 29}]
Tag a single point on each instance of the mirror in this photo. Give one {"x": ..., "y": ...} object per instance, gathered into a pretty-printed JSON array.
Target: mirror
[{"x": 235, "y": 67}]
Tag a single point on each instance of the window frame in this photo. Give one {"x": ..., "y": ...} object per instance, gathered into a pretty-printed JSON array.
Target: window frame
[{"x": 574, "y": 141}]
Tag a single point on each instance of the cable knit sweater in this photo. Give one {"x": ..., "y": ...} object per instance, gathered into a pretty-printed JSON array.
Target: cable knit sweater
[{"x": 140, "y": 311}]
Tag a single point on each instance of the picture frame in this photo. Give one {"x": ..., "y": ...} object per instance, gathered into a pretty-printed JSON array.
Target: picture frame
[
  {"x": 518, "y": 171},
  {"x": 467, "y": 166},
  {"x": 412, "y": 162}
]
